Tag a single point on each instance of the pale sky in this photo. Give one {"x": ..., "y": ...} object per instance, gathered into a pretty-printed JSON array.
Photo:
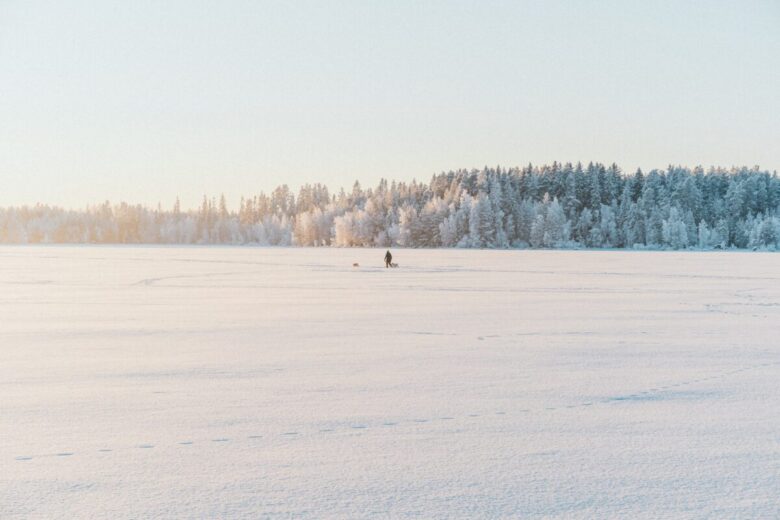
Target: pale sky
[{"x": 145, "y": 100}]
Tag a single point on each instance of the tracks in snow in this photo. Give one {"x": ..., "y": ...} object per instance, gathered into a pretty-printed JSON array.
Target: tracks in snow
[{"x": 650, "y": 394}]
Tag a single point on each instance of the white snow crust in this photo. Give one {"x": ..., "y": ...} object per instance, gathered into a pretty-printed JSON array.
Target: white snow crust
[{"x": 220, "y": 382}]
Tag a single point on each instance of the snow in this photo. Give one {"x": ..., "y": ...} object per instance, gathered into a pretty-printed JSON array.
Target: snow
[{"x": 218, "y": 382}]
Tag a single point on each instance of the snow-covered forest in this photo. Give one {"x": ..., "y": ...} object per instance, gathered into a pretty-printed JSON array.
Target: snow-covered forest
[{"x": 553, "y": 206}]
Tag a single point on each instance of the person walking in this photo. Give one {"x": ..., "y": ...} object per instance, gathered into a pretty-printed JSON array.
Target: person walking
[{"x": 388, "y": 259}]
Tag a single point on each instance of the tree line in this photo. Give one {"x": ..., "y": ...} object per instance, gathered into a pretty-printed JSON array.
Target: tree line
[{"x": 550, "y": 206}]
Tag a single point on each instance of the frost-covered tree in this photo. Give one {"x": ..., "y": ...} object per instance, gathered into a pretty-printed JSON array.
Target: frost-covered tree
[{"x": 675, "y": 233}]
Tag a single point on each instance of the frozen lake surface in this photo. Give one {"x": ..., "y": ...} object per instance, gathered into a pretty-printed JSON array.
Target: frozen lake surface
[{"x": 144, "y": 382}]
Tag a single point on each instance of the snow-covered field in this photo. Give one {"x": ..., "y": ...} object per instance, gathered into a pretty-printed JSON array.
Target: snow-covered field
[{"x": 145, "y": 382}]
